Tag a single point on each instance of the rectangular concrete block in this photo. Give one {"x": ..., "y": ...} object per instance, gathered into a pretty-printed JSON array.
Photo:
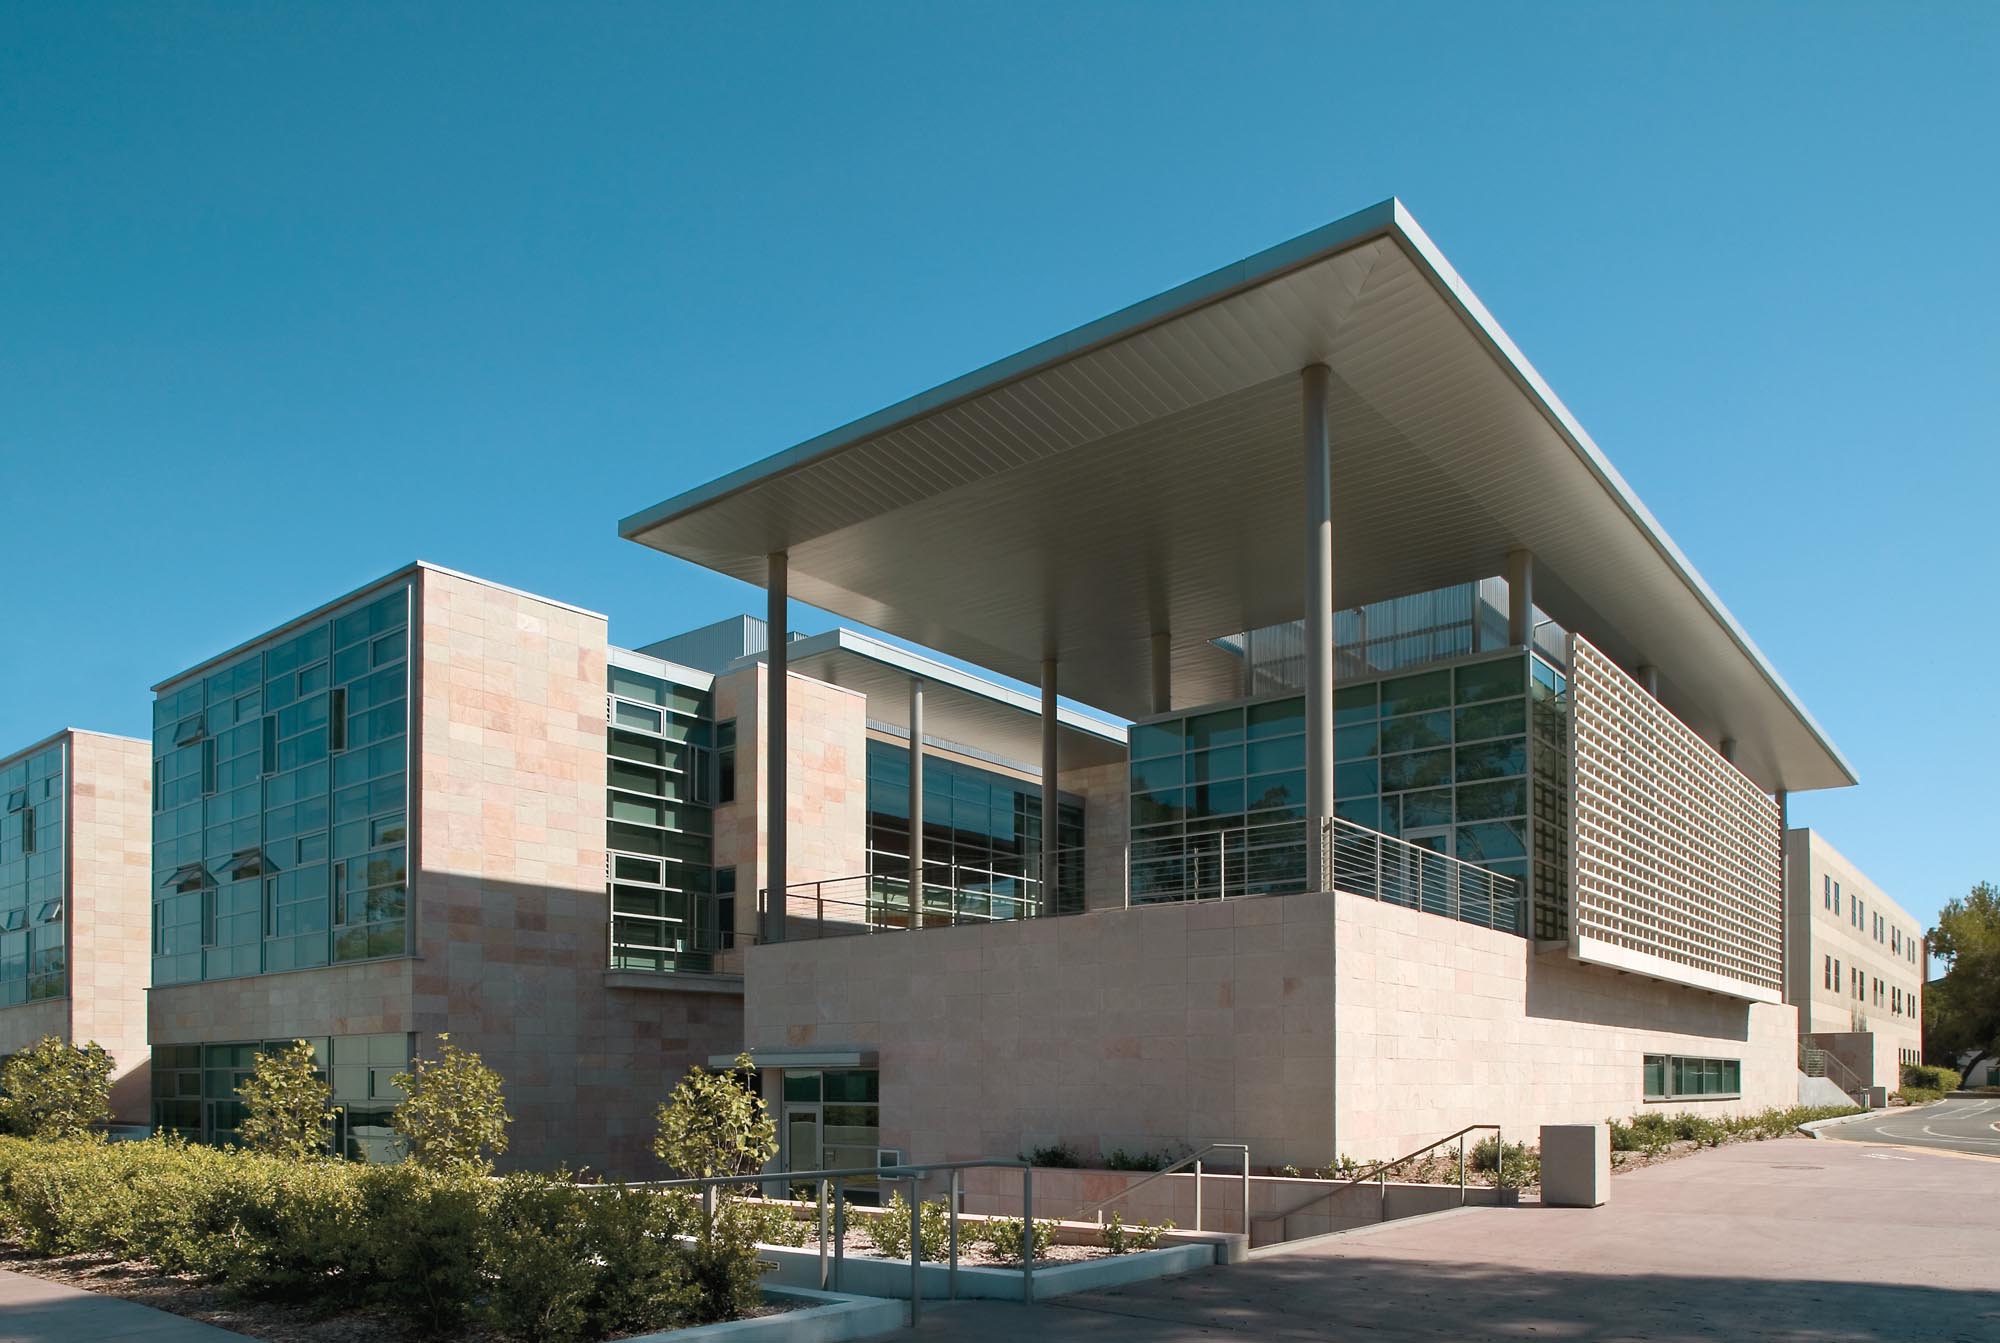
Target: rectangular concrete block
[{"x": 1576, "y": 1165}]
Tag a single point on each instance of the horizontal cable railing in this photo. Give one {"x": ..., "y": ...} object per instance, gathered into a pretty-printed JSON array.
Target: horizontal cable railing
[
  {"x": 1379, "y": 1172},
  {"x": 1395, "y": 871},
  {"x": 1272, "y": 858},
  {"x": 662, "y": 942}
]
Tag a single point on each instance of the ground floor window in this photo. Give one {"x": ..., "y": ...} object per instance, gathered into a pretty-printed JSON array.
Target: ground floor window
[
  {"x": 194, "y": 1089},
  {"x": 1676, "y": 1077}
]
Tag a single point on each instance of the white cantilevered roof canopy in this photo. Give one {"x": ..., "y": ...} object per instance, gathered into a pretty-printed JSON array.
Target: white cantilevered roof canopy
[
  {"x": 1147, "y": 473},
  {"x": 960, "y": 709}
]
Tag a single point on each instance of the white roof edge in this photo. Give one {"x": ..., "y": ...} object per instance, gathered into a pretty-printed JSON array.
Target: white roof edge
[
  {"x": 1593, "y": 457},
  {"x": 1376, "y": 219},
  {"x": 634, "y": 660},
  {"x": 918, "y": 665},
  {"x": 1385, "y": 218},
  {"x": 395, "y": 575}
]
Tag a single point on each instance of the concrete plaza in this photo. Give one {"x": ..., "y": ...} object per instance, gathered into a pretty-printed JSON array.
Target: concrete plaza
[{"x": 1785, "y": 1240}]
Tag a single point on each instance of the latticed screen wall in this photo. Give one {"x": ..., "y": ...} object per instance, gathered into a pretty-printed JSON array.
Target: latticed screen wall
[{"x": 1675, "y": 852}]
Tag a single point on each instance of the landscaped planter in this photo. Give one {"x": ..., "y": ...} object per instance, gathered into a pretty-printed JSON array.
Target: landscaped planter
[
  {"x": 868, "y": 1275},
  {"x": 818, "y": 1317}
]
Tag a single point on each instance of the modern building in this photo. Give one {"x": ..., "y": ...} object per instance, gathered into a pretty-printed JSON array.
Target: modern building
[
  {"x": 1856, "y": 966},
  {"x": 438, "y": 805},
  {"x": 1453, "y": 794},
  {"x": 75, "y": 826},
  {"x": 386, "y": 820}
]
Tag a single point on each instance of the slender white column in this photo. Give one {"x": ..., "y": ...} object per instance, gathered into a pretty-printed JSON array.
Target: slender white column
[
  {"x": 1520, "y": 598},
  {"x": 1727, "y": 748},
  {"x": 1163, "y": 671},
  {"x": 1051, "y": 794},
  {"x": 1314, "y": 379},
  {"x": 777, "y": 589},
  {"x": 1649, "y": 677},
  {"x": 917, "y": 795}
]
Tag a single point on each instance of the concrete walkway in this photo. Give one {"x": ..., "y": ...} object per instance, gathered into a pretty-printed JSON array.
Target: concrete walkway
[
  {"x": 1788, "y": 1240},
  {"x": 35, "y": 1311}
]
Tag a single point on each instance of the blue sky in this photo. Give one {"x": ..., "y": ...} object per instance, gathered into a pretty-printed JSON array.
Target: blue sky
[{"x": 292, "y": 294}]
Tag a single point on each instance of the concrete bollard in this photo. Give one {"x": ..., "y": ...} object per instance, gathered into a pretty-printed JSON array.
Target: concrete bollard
[{"x": 1576, "y": 1165}]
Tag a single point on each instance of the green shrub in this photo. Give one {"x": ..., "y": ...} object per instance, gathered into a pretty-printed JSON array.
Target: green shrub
[
  {"x": 302, "y": 1232},
  {"x": 1122, "y": 1239},
  {"x": 287, "y": 1102},
  {"x": 1120, "y": 1159},
  {"x": 1517, "y": 1168},
  {"x": 452, "y": 1115},
  {"x": 715, "y": 1124},
  {"x": 774, "y": 1223},
  {"x": 536, "y": 1249},
  {"x": 1003, "y": 1236},
  {"x": 54, "y": 1089},
  {"x": 1060, "y": 1156},
  {"x": 62, "y": 1198},
  {"x": 1929, "y": 1077},
  {"x": 422, "y": 1249}
]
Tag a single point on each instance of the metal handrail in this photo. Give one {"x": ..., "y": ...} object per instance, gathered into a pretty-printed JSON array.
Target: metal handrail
[
  {"x": 1853, "y": 1084},
  {"x": 1191, "y": 1159},
  {"x": 1380, "y": 1172},
  {"x": 1381, "y": 866},
  {"x": 834, "y": 1182}
]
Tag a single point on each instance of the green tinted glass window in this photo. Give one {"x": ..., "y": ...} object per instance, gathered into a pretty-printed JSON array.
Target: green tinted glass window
[
  {"x": 1416, "y": 732},
  {"x": 1224, "y": 727},
  {"x": 1490, "y": 680},
  {"x": 1150, "y": 740},
  {"x": 1416, "y": 694},
  {"x": 1352, "y": 704},
  {"x": 1278, "y": 718},
  {"x": 1501, "y": 718}
]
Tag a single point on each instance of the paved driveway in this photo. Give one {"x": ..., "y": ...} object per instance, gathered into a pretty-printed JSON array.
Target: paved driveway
[
  {"x": 1960, "y": 1124},
  {"x": 1790, "y": 1240}
]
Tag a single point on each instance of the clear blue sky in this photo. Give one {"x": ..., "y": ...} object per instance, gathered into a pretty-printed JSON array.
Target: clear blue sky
[{"x": 292, "y": 294}]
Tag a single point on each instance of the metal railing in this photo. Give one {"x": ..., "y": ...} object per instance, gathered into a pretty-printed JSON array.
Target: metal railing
[
  {"x": 660, "y": 942},
  {"x": 1266, "y": 859},
  {"x": 1194, "y": 1159},
  {"x": 831, "y": 1213},
  {"x": 1382, "y": 867},
  {"x": 1817, "y": 1062},
  {"x": 1379, "y": 1172}
]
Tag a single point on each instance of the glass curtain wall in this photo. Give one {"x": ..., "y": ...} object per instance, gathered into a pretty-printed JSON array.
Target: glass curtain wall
[
  {"x": 280, "y": 796},
  {"x": 1439, "y": 758},
  {"x": 194, "y": 1089},
  {"x": 33, "y": 953},
  {"x": 982, "y": 840},
  {"x": 660, "y": 825}
]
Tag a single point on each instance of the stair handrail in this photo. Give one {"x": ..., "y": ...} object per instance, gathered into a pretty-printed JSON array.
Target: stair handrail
[
  {"x": 1194, "y": 1159},
  {"x": 1382, "y": 1168},
  {"x": 1852, "y": 1084}
]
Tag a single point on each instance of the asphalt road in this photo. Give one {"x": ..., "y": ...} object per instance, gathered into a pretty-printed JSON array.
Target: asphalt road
[{"x": 1954, "y": 1125}]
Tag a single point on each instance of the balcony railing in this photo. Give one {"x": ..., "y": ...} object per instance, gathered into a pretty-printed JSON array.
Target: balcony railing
[
  {"x": 1269, "y": 859},
  {"x": 664, "y": 943}
]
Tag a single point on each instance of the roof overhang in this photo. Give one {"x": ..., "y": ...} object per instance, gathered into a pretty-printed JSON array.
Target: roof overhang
[
  {"x": 1145, "y": 473},
  {"x": 961, "y": 710}
]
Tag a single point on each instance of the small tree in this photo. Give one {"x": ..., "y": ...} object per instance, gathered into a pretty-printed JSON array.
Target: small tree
[
  {"x": 452, "y": 1116},
  {"x": 715, "y": 1124},
  {"x": 54, "y": 1089},
  {"x": 287, "y": 1101}
]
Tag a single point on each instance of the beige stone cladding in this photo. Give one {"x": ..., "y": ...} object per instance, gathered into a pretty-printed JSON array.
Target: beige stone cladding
[
  {"x": 1443, "y": 1024},
  {"x": 1885, "y": 947},
  {"x": 1129, "y": 1028},
  {"x": 1106, "y": 793},
  {"x": 109, "y": 863},
  {"x": 826, "y": 787},
  {"x": 511, "y": 905},
  {"x": 1225, "y": 1021},
  {"x": 107, "y": 914}
]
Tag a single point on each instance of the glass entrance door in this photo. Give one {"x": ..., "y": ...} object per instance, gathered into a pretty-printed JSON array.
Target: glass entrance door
[{"x": 802, "y": 1137}]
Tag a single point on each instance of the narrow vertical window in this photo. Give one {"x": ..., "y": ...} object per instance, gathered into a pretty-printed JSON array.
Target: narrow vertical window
[
  {"x": 270, "y": 743},
  {"x": 336, "y": 719}
]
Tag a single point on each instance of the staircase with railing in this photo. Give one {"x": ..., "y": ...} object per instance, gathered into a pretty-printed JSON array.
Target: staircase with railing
[
  {"x": 1817, "y": 1062},
  {"x": 1276, "y": 1226}
]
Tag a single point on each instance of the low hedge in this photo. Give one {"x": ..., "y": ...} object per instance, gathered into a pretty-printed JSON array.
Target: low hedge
[
  {"x": 1922, "y": 1082},
  {"x": 527, "y": 1255},
  {"x": 1654, "y": 1132}
]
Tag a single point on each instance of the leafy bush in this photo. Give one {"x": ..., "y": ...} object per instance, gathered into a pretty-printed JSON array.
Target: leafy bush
[
  {"x": 1122, "y": 1239},
  {"x": 287, "y": 1100},
  {"x": 452, "y": 1115},
  {"x": 53, "y": 1089},
  {"x": 773, "y": 1224},
  {"x": 1516, "y": 1168},
  {"x": 301, "y": 1232},
  {"x": 1060, "y": 1156},
  {"x": 1120, "y": 1159},
  {"x": 1928, "y": 1078},
  {"x": 423, "y": 1229},
  {"x": 713, "y": 1124},
  {"x": 1003, "y": 1236}
]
